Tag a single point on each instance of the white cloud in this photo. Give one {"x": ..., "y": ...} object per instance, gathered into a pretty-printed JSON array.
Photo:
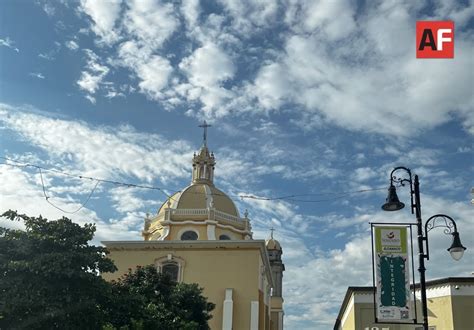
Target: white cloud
[
  {"x": 364, "y": 173},
  {"x": 7, "y": 42},
  {"x": 49, "y": 9},
  {"x": 154, "y": 75},
  {"x": 104, "y": 152},
  {"x": 412, "y": 95},
  {"x": 309, "y": 75},
  {"x": 91, "y": 99},
  {"x": 150, "y": 21},
  {"x": 104, "y": 14},
  {"x": 190, "y": 10},
  {"x": 72, "y": 45},
  {"x": 128, "y": 199},
  {"x": 207, "y": 68},
  {"x": 92, "y": 77},
  {"x": 152, "y": 71},
  {"x": 250, "y": 14},
  {"x": 38, "y": 75},
  {"x": 90, "y": 82},
  {"x": 334, "y": 19},
  {"x": 48, "y": 57}
]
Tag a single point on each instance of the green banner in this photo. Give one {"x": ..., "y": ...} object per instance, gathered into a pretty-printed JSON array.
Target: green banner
[
  {"x": 392, "y": 271},
  {"x": 392, "y": 274}
]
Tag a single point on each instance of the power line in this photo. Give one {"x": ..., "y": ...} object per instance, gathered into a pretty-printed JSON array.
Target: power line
[
  {"x": 61, "y": 209},
  {"x": 118, "y": 183},
  {"x": 291, "y": 198}
]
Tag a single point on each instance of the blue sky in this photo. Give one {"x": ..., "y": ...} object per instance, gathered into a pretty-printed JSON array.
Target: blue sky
[{"x": 310, "y": 98}]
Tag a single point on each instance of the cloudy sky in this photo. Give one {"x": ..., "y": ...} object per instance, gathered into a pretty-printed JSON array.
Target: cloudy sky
[{"x": 316, "y": 100}]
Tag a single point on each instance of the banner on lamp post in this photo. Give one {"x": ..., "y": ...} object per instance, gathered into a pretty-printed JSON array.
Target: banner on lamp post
[{"x": 392, "y": 275}]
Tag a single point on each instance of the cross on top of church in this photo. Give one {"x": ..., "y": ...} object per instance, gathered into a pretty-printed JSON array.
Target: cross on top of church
[
  {"x": 205, "y": 125},
  {"x": 271, "y": 232}
]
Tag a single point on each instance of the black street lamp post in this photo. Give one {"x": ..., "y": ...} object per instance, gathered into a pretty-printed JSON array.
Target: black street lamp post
[{"x": 393, "y": 204}]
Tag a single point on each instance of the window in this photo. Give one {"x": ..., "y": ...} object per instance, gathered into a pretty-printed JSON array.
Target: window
[
  {"x": 172, "y": 266},
  {"x": 224, "y": 238},
  {"x": 189, "y": 236},
  {"x": 171, "y": 269}
]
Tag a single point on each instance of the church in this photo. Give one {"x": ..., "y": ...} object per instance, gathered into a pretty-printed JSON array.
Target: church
[{"x": 198, "y": 236}]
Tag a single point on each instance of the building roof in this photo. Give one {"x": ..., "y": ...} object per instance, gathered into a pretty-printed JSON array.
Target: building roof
[
  {"x": 201, "y": 196},
  {"x": 371, "y": 289}
]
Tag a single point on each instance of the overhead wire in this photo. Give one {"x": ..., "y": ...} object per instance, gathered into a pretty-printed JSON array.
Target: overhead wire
[
  {"x": 290, "y": 198},
  {"x": 61, "y": 209}
]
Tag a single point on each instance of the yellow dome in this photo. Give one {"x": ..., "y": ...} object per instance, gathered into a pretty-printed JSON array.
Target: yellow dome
[
  {"x": 201, "y": 196},
  {"x": 272, "y": 244}
]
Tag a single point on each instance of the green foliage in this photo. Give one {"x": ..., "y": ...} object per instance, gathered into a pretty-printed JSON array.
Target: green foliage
[
  {"x": 50, "y": 279},
  {"x": 157, "y": 302},
  {"x": 49, "y": 275}
]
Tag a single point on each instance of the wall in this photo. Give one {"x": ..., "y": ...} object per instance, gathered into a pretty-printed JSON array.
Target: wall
[
  {"x": 463, "y": 312},
  {"x": 213, "y": 269}
]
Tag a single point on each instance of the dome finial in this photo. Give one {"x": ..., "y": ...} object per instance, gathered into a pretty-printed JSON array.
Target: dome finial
[
  {"x": 204, "y": 125},
  {"x": 271, "y": 232}
]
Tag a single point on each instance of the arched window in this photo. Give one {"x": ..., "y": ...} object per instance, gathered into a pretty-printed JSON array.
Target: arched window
[
  {"x": 224, "y": 237},
  {"x": 189, "y": 236},
  {"x": 172, "y": 266},
  {"x": 171, "y": 269},
  {"x": 202, "y": 174}
]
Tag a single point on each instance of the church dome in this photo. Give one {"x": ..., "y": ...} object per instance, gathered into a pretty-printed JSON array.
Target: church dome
[
  {"x": 200, "y": 211},
  {"x": 272, "y": 244},
  {"x": 201, "y": 196}
]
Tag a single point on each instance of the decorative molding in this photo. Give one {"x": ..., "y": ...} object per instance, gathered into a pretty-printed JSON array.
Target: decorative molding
[
  {"x": 209, "y": 198},
  {"x": 232, "y": 228},
  {"x": 204, "y": 212},
  {"x": 166, "y": 232},
  {"x": 280, "y": 320},
  {"x": 211, "y": 232},
  {"x": 253, "y": 315},
  {"x": 201, "y": 223},
  {"x": 170, "y": 257},
  {"x": 227, "y": 310}
]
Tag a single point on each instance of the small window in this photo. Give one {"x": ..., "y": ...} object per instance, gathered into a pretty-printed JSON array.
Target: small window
[
  {"x": 189, "y": 236},
  {"x": 171, "y": 269},
  {"x": 224, "y": 238}
]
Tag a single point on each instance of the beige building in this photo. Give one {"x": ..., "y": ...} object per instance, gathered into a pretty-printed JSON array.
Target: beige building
[
  {"x": 450, "y": 307},
  {"x": 198, "y": 236}
]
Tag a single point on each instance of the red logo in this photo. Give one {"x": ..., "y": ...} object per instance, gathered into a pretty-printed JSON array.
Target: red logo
[{"x": 434, "y": 39}]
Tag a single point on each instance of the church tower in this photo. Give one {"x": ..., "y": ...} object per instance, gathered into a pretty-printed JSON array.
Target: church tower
[
  {"x": 198, "y": 236},
  {"x": 274, "y": 252}
]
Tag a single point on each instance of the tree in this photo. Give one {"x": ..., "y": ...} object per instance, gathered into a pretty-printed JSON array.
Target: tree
[
  {"x": 157, "y": 302},
  {"x": 50, "y": 279},
  {"x": 50, "y": 275}
]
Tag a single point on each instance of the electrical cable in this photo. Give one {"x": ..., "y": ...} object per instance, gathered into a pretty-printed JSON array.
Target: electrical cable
[
  {"x": 61, "y": 209},
  {"x": 290, "y": 198}
]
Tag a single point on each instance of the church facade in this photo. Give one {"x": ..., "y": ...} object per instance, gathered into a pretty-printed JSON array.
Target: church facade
[{"x": 198, "y": 236}]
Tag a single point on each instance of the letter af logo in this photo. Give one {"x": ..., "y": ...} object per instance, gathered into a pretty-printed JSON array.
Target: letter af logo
[{"x": 434, "y": 39}]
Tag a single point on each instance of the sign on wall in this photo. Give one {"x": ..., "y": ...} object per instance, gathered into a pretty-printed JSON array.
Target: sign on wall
[{"x": 392, "y": 274}]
